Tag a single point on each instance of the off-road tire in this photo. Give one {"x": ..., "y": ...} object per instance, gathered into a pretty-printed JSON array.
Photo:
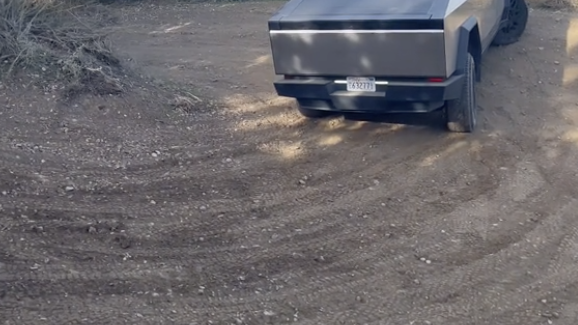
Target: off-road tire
[
  {"x": 308, "y": 109},
  {"x": 461, "y": 113},
  {"x": 517, "y": 21}
]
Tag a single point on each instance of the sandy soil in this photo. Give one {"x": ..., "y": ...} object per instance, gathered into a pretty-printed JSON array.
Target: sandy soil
[{"x": 123, "y": 211}]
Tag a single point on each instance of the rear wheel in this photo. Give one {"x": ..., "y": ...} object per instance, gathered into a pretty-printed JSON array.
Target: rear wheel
[
  {"x": 313, "y": 108},
  {"x": 516, "y": 25},
  {"x": 461, "y": 113}
]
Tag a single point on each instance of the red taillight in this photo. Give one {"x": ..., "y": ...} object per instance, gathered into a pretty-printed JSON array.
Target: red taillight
[{"x": 436, "y": 79}]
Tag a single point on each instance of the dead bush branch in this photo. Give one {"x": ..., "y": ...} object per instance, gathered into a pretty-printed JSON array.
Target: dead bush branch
[{"x": 61, "y": 40}]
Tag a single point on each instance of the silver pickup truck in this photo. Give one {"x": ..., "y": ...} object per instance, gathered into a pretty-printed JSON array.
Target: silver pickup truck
[{"x": 389, "y": 56}]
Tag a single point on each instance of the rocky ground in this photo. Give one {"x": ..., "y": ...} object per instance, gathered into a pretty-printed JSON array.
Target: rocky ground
[{"x": 236, "y": 210}]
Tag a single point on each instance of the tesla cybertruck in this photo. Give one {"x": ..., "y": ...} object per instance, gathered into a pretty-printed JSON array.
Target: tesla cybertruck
[{"x": 389, "y": 56}]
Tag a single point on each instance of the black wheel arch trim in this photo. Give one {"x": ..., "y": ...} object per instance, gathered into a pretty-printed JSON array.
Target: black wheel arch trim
[{"x": 469, "y": 41}]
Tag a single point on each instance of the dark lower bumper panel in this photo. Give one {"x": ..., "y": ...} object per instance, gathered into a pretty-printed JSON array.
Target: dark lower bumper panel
[{"x": 393, "y": 97}]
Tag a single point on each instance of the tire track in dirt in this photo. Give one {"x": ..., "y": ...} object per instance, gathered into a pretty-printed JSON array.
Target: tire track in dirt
[
  {"x": 236, "y": 208},
  {"x": 483, "y": 303},
  {"x": 479, "y": 271},
  {"x": 229, "y": 261}
]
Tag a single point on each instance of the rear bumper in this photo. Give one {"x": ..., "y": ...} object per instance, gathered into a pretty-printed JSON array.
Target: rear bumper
[{"x": 390, "y": 97}]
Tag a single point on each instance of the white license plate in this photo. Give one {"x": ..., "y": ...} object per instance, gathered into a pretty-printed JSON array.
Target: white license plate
[{"x": 360, "y": 84}]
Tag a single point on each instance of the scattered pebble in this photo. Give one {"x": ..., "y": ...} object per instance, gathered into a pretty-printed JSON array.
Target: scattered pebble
[
  {"x": 423, "y": 259},
  {"x": 550, "y": 315},
  {"x": 37, "y": 229}
]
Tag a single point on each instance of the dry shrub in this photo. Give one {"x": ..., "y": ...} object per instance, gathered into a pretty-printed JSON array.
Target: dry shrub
[{"x": 58, "y": 41}]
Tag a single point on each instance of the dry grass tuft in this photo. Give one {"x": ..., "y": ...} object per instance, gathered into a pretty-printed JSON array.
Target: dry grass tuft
[{"x": 58, "y": 41}]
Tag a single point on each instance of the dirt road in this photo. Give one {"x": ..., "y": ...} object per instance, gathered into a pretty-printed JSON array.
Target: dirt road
[{"x": 120, "y": 211}]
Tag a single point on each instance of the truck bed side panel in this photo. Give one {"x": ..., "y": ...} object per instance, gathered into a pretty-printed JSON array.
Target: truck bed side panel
[
  {"x": 486, "y": 12},
  {"x": 455, "y": 18}
]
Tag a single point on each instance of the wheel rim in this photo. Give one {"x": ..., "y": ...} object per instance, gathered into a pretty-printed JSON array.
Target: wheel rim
[{"x": 514, "y": 12}]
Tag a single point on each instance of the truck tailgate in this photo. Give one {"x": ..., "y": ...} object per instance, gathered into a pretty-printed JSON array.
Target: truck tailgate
[
  {"x": 392, "y": 38},
  {"x": 358, "y": 53}
]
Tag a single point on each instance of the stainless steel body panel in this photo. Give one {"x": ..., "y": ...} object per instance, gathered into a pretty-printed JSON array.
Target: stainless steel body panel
[
  {"x": 400, "y": 53},
  {"x": 380, "y": 38},
  {"x": 488, "y": 14}
]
